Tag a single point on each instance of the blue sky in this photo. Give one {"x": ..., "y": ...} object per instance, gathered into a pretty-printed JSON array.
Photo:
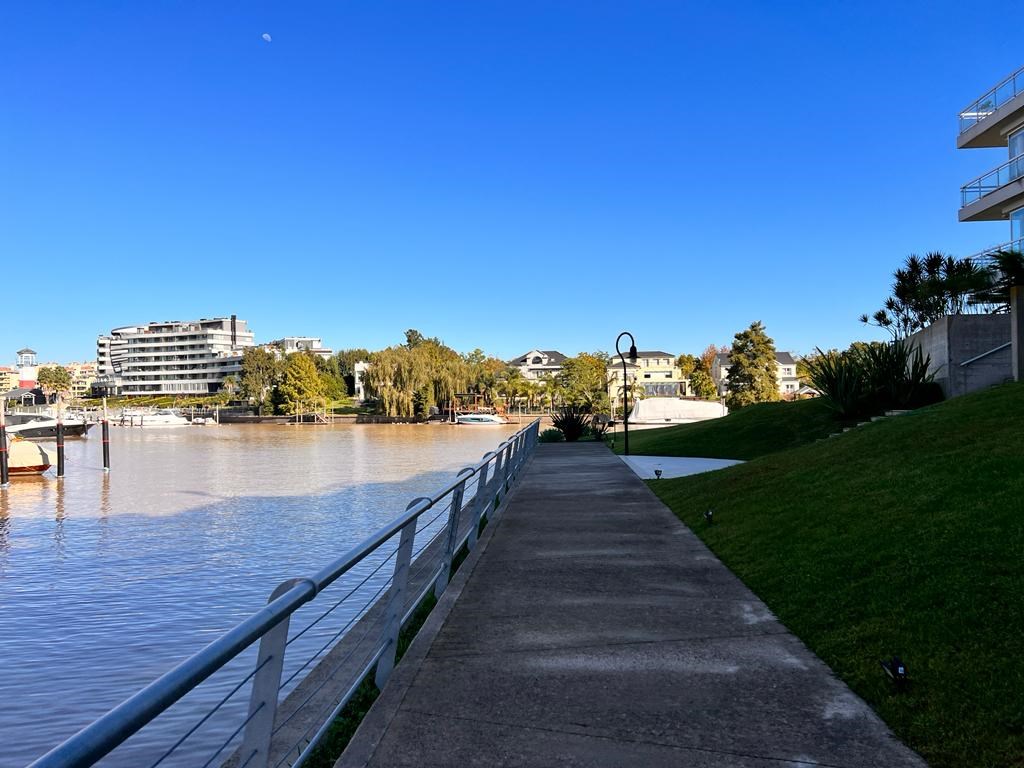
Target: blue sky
[{"x": 504, "y": 175}]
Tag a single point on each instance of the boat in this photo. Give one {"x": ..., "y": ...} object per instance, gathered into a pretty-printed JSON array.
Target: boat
[
  {"x": 162, "y": 417},
  {"x": 25, "y": 458},
  {"x": 39, "y": 427},
  {"x": 479, "y": 418}
]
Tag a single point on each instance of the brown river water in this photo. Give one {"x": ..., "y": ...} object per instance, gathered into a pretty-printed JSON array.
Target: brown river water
[{"x": 107, "y": 581}]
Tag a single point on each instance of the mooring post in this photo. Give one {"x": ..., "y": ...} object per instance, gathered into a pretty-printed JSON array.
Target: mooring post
[
  {"x": 105, "y": 434},
  {"x": 60, "y": 438},
  {"x": 5, "y": 478}
]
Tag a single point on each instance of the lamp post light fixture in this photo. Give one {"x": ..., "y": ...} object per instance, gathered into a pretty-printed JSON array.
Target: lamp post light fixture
[{"x": 625, "y": 386}]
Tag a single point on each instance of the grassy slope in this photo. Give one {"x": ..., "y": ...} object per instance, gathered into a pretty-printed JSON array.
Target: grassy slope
[
  {"x": 746, "y": 434},
  {"x": 905, "y": 536}
]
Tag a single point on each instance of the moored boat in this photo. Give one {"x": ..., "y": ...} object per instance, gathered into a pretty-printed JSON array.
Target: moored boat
[
  {"x": 480, "y": 419},
  {"x": 25, "y": 458},
  {"x": 162, "y": 417},
  {"x": 45, "y": 427}
]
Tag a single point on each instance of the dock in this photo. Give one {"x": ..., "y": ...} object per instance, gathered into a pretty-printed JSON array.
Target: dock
[{"x": 592, "y": 628}]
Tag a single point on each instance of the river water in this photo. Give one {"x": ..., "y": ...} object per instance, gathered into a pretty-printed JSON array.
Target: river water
[{"x": 107, "y": 581}]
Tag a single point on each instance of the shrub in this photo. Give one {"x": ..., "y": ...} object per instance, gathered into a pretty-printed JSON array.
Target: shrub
[
  {"x": 552, "y": 436},
  {"x": 599, "y": 427},
  {"x": 871, "y": 378},
  {"x": 573, "y": 422}
]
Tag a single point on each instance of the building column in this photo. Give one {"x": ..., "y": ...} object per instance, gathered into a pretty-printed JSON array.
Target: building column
[{"x": 1017, "y": 331}]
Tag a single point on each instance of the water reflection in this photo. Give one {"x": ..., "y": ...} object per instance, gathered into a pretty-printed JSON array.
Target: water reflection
[{"x": 108, "y": 580}]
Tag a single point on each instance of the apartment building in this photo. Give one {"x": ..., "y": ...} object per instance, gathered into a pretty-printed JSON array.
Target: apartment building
[
  {"x": 83, "y": 375},
  {"x": 655, "y": 373},
  {"x": 171, "y": 358},
  {"x": 785, "y": 373},
  {"x": 9, "y": 378},
  {"x": 996, "y": 121},
  {"x": 538, "y": 363}
]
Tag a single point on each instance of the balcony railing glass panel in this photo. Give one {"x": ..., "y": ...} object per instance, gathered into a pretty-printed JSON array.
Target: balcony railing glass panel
[
  {"x": 991, "y": 181},
  {"x": 1010, "y": 88}
]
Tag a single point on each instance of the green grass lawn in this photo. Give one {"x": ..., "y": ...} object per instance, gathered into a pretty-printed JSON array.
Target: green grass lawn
[
  {"x": 744, "y": 434},
  {"x": 904, "y": 536}
]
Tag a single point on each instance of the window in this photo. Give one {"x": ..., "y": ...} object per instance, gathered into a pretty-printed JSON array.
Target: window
[
  {"x": 668, "y": 375},
  {"x": 1016, "y": 143},
  {"x": 1017, "y": 224},
  {"x": 535, "y": 360},
  {"x": 647, "y": 375}
]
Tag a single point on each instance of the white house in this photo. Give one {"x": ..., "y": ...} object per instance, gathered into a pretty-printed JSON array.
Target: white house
[{"x": 538, "y": 363}]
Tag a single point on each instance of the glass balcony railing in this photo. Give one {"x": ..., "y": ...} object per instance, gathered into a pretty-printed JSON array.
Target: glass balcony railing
[
  {"x": 991, "y": 181},
  {"x": 993, "y": 100},
  {"x": 985, "y": 257}
]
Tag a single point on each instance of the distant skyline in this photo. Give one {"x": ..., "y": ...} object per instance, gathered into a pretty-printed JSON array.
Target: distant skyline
[{"x": 502, "y": 176}]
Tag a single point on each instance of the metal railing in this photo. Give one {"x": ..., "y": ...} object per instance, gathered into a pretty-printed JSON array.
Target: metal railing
[
  {"x": 418, "y": 547},
  {"x": 985, "y": 257},
  {"x": 1008, "y": 89},
  {"x": 991, "y": 181}
]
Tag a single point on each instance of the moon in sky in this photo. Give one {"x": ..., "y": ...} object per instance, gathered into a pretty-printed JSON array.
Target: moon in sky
[{"x": 266, "y": 37}]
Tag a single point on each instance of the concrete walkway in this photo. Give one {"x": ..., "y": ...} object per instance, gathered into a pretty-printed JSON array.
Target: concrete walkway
[
  {"x": 591, "y": 628},
  {"x": 674, "y": 466}
]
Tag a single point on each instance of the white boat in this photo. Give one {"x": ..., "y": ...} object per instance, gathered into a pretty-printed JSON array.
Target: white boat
[
  {"x": 479, "y": 418},
  {"x": 162, "y": 417}
]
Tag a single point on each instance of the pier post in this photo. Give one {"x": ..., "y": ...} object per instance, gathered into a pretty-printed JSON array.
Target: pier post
[
  {"x": 5, "y": 478},
  {"x": 60, "y": 438},
  {"x": 105, "y": 434}
]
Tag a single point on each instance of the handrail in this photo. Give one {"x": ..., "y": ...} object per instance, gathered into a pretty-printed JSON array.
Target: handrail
[
  {"x": 104, "y": 735},
  {"x": 983, "y": 355},
  {"x": 988, "y": 253},
  {"x": 993, "y": 180},
  {"x": 990, "y": 101}
]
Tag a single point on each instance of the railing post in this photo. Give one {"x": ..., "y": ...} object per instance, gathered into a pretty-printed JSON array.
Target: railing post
[
  {"x": 396, "y": 601},
  {"x": 265, "y": 688},
  {"x": 454, "y": 516},
  {"x": 506, "y": 467},
  {"x": 499, "y": 476},
  {"x": 482, "y": 495}
]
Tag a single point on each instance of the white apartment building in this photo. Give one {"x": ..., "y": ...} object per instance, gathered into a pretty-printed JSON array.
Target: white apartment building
[
  {"x": 785, "y": 373},
  {"x": 538, "y": 363},
  {"x": 171, "y": 358}
]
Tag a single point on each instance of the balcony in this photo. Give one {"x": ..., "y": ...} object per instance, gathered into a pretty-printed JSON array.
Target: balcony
[
  {"x": 987, "y": 121},
  {"x": 984, "y": 257},
  {"x": 991, "y": 197}
]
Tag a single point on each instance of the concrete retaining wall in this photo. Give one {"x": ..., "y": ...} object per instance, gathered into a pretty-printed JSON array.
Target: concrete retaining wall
[{"x": 955, "y": 339}]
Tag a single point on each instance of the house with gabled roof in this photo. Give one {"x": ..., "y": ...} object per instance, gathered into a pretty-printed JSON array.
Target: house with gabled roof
[
  {"x": 538, "y": 363},
  {"x": 785, "y": 373}
]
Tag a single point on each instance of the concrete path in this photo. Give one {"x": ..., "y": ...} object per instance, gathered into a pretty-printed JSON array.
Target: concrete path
[
  {"x": 674, "y": 466},
  {"x": 591, "y": 628}
]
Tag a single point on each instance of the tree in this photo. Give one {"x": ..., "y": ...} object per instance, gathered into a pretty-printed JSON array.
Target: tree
[
  {"x": 925, "y": 289},
  {"x": 752, "y": 368},
  {"x": 687, "y": 364},
  {"x": 330, "y": 376},
  {"x": 1005, "y": 273},
  {"x": 261, "y": 371},
  {"x": 300, "y": 385},
  {"x": 584, "y": 381},
  {"x": 702, "y": 385},
  {"x": 54, "y": 380}
]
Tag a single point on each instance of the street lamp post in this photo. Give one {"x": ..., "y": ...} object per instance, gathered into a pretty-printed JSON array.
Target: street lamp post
[{"x": 625, "y": 385}]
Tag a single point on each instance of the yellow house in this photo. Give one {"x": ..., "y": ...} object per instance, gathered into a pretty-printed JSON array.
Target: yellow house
[{"x": 654, "y": 374}]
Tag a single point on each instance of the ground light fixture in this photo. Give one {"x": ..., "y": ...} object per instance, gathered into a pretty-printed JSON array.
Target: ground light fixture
[
  {"x": 709, "y": 516},
  {"x": 896, "y": 670},
  {"x": 625, "y": 386},
  {"x": 657, "y": 474}
]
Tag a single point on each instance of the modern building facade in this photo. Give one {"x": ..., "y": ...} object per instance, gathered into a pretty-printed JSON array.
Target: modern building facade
[
  {"x": 8, "y": 378},
  {"x": 996, "y": 120},
  {"x": 171, "y": 358},
  {"x": 539, "y": 363},
  {"x": 785, "y": 373}
]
